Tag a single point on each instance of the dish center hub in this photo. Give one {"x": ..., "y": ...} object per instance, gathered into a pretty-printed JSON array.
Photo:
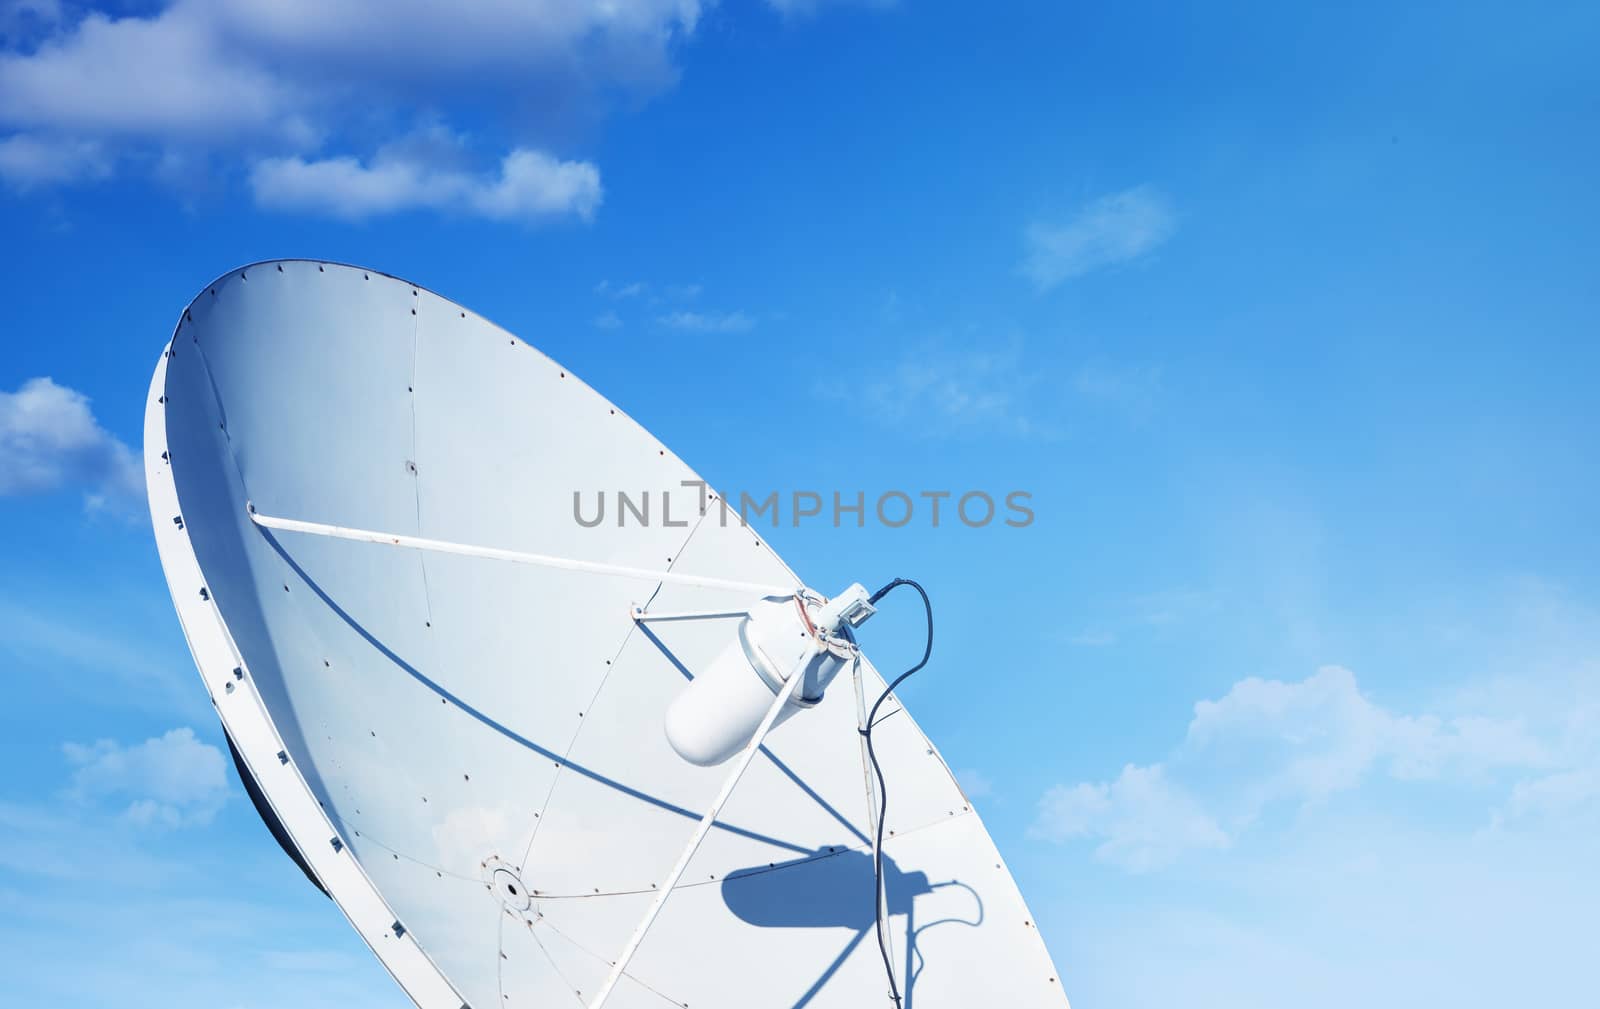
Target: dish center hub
[{"x": 505, "y": 882}]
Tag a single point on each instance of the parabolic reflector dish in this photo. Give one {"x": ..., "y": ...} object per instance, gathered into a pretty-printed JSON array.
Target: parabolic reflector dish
[{"x": 467, "y": 754}]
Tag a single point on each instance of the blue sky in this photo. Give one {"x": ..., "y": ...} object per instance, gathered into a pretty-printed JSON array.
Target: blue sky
[{"x": 1286, "y": 319}]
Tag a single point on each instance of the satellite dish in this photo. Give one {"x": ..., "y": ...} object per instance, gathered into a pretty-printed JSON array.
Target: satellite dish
[{"x": 537, "y": 763}]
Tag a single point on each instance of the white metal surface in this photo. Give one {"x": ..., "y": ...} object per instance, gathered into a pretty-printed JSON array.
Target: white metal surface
[
  {"x": 438, "y": 730},
  {"x": 751, "y": 751}
]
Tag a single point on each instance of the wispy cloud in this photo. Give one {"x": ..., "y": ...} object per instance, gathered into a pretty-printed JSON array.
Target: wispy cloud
[
  {"x": 1131, "y": 390},
  {"x": 309, "y": 961},
  {"x": 1141, "y": 819},
  {"x": 708, "y": 322},
  {"x": 1267, "y": 742},
  {"x": 940, "y": 392},
  {"x": 646, "y": 297},
  {"x": 54, "y": 841},
  {"x": 974, "y": 782},
  {"x": 981, "y": 384},
  {"x": 101, "y": 643},
  {"x": 1557, "y": 794},
  {"x": 27, "y": 161},
  {"x": 620, "y": 292},
  {"x": 1112, "y": 230},
  {"x": 1127, "y": 618},
  {"x": 171, "y": 780},
  {"x": 181, "y": 896},
  {"x": 802, "y": 7},
  {"x": 50, "y": 439}
]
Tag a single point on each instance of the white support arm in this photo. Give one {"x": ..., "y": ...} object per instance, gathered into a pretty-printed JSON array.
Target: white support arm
[
  {"x": 514, "y": 556},
  {"x": 751, "y": 749},
  {"x": 642, "y": 616}
]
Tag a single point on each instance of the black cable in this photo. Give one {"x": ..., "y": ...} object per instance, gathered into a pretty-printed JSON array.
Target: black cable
[{"x": 878, "y": 896}]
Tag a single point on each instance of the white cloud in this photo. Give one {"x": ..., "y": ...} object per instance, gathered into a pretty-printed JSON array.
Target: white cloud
[
  {"x": 708, "y": 322},
  {"x": 169, "y": 76},
  {"x": 624, "y": 40},
  {"x": 274, "y": 78},
  {"x": 172, "y": 780},
  {"x": 530, "y": 185},
  {"x": 533, "y": 184},
  {"x": 1270, "y": 741},
  {"x": 1474, "y": 887},
  {"x": 49, "y": 438},
  {"x": 607, "y": 320},
  {"x": 267, "y": 66},
  {"x": 1323, "y": 735},
  {"x": 1111, "y": 230},
  {"x": 1141, "y": 819},
  {"x": 28, "y": 160}
]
